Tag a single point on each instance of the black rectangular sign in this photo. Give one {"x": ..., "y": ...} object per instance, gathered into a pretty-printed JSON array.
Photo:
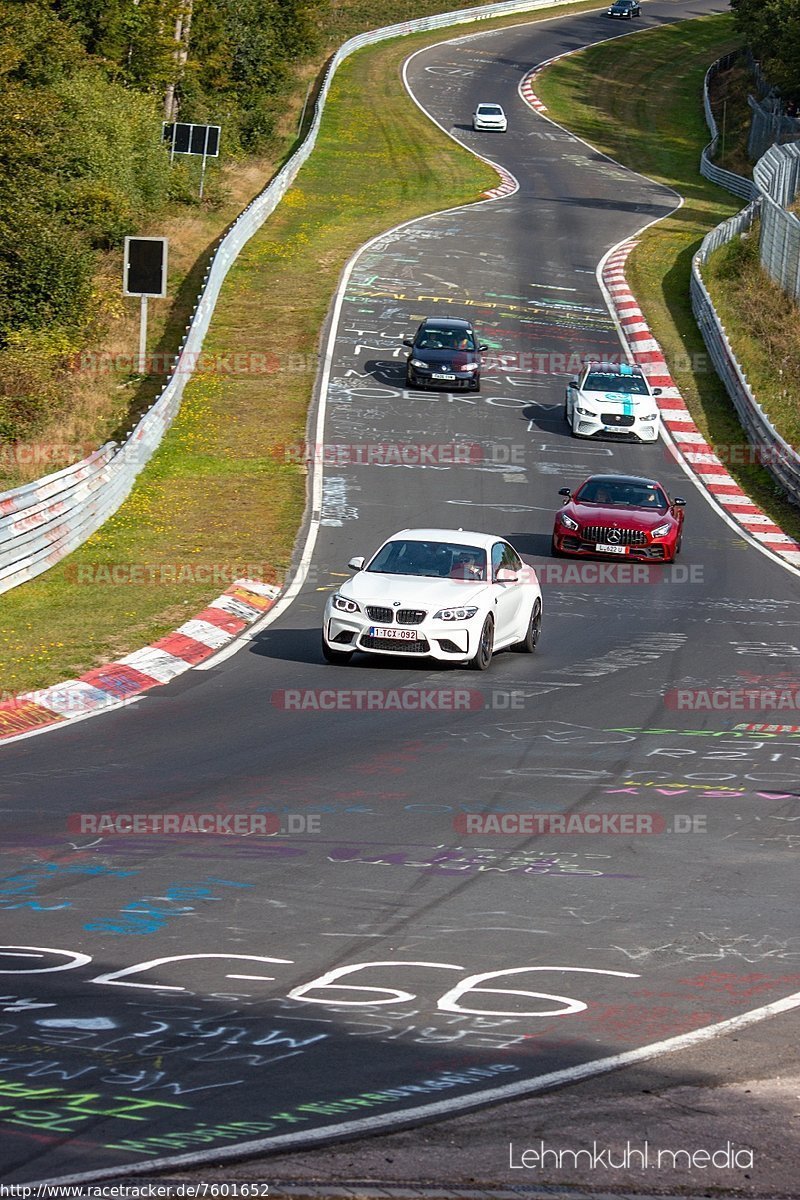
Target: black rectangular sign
[
  {"x": 145, "y": 271},
  {"x": 184, "y": 138}
]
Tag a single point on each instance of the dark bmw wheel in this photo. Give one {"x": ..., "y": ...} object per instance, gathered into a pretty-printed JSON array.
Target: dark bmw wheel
[
  {"x": 483, "y": 655},
  {"x": 529, "y": 642}
]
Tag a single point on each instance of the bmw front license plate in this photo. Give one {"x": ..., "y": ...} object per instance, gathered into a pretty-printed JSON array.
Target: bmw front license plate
[
  {"x": 439, "y": 375},
  {"x": 399, "y": 635},
  {"x": 601, "y": 548}
]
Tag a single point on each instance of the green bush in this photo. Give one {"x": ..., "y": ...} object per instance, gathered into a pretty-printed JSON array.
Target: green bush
[
  {"x": 113, "y": 166},
  {"x": 33, "y": 384},
  {"x": 735, "y": 256},
  {"x": 45, "y": 272}
]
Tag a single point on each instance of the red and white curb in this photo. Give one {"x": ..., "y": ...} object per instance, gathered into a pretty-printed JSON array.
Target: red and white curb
[
  {"x": 689, "y": 443},
  {"x": 116, "y": 683},
  {"x": 506, "y": 188},
  {"x": 527, "y": 92}
]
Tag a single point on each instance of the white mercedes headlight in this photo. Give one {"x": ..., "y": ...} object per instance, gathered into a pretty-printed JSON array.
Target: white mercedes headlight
[
  {"x": 455, "y": 614},
  {"x": 344, "y": 604},
  {"x": 661, "y": 530}
]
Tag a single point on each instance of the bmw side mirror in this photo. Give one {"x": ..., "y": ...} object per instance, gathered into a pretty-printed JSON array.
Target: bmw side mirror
[
  {"x": 679, "y": 502},
  {"x": 356, "y": 564},
  {"x": 564, "y": 492},
  {"x": 408, "y": 341},
  {"x": 506, "y": 575}
]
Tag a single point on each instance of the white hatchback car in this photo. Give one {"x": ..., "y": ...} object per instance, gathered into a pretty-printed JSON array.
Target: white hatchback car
[
  {"x": 449, "y": 594},
  {"x": 612, "y": 400},
  {"x": 489, "y": 116}
]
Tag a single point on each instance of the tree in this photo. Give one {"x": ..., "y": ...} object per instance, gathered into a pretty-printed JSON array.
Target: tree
[{"x": 771, "y": 28}]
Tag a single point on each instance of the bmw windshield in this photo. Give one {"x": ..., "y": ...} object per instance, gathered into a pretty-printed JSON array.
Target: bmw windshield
[{"x": 437, "y": 560}]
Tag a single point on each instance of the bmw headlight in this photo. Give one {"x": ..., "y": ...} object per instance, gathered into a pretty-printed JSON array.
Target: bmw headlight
[
  {"x": 417, "y": 362},
  {"x": 568, "y": 521},
  {"x": 455, "y": 614},
  {"x": 661, "y": 530},
  {"x": 344, "y": 604}
]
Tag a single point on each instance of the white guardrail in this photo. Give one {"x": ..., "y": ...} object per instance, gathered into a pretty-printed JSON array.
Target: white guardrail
[
  {"x": 774, "y": 184},
  {"x": 41, "y": 522}
]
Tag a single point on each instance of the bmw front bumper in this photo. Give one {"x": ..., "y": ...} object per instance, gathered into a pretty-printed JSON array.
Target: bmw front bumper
[{"x": 447, "y": 641}]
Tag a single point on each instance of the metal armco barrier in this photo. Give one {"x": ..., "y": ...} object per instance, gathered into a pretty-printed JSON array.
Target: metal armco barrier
[
  {"x": 737, "y": 184},
  {"x": 775, "y": 184},
  {"x": 43, "y": 521}
]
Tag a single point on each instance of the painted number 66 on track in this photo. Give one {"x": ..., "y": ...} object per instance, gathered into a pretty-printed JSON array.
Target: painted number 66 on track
[{"x": 334, "y": 988}]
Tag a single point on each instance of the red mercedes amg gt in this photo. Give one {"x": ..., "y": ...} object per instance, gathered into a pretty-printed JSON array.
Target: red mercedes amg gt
[{"x": 624, "y": 516}]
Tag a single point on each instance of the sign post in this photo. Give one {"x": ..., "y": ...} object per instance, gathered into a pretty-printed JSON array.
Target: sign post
[
  {"x": 144, "y": 275},
  {"x": 205, "y": 158}
]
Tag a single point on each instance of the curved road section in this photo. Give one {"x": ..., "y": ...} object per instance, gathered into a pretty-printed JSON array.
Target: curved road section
[{"x": 480, "y": 881}]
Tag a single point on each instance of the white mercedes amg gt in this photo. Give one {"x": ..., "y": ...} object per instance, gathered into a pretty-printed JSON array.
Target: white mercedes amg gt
[{"x": 449, "y": 594}]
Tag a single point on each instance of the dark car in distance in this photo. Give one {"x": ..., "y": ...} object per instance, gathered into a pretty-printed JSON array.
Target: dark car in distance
[
  {"x": 626, "y": 9},
  {"x": 444, "y": 353},
  {"x": 619, "y": 516}
]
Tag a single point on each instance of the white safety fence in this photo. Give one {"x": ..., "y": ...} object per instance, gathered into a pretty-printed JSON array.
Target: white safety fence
[
  {"x": 775, "y": 184},
  {"x": 777, "y": 174},
  {"x": 43, "y": 521}
]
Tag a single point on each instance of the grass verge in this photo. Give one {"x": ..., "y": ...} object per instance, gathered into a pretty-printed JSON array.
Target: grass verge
[
  {"x": 763, "y": 328},
  {"x": 640, "y": 100},
  {"x": 218, "y": 497}
]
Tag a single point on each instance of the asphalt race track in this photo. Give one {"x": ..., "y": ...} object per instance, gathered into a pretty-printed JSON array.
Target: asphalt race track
[{"x": 166, "y": 997}]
